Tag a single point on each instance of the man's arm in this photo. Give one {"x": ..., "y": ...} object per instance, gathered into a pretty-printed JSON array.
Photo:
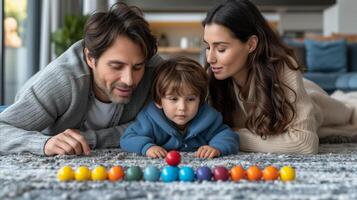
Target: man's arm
[{"x": 44, "y": 97}]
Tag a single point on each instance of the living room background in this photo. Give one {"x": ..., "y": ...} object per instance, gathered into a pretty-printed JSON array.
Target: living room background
[{"x": 29, "y": 27}]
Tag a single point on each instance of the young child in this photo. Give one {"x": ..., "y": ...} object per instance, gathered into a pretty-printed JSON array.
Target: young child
[{"x": 179, "y": 118}]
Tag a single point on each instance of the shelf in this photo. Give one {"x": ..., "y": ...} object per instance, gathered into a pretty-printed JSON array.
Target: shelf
[{"x": 178, "y": 50}]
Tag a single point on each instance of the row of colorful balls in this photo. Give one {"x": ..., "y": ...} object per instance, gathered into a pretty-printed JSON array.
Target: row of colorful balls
[{"x": 174, "y": 173}]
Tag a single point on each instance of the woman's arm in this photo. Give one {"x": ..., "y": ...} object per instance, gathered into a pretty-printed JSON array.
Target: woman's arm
[{"x": 294, "y": 141}]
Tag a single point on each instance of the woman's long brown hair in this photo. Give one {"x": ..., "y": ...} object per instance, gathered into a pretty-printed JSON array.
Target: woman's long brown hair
[{"x": 272, "y": 110}]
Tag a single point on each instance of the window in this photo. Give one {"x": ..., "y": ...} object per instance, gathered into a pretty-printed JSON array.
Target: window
[{"x": 20, "y": 40}]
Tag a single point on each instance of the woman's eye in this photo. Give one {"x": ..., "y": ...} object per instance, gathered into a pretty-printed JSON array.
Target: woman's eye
[{"x": 221, "y": 50}]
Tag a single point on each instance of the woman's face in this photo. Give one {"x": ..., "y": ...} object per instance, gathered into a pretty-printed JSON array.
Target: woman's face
[{"x": 226, "y": 55}]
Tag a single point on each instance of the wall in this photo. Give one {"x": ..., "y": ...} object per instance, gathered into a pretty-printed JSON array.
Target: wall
[
  {"x": 330, "y": 20},
  {"x": 341, "y": 18},
  {"x": 301, "y": 21}
]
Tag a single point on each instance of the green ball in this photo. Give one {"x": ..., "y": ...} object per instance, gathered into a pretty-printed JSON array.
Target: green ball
[{"x": 133, "y": 174}]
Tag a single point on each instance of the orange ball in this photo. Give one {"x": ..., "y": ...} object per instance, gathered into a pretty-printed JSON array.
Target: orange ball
[
  {"x": 270, "y": 173},
  {"x": 254, "y": 173},
  {"x": 237, "y": 173},
  {"x": 116, "y": 173}
]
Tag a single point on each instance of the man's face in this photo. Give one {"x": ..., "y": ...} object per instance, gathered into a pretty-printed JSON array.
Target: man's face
[{"x": 118, "y": 71}]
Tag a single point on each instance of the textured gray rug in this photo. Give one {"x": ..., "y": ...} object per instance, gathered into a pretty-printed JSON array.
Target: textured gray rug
[{"x": 332, "y": 174}]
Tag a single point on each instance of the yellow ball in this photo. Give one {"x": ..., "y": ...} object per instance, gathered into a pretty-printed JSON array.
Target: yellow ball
[
  {"x": 99, "y": 173},
  {"x": 65, "y": 173},
  {"x": 82, "y": 173},
  {"x": 287, "y": 173}
]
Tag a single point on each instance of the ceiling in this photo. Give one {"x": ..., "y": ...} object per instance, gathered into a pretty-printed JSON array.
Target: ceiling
[{"x": 204, "y": 5}]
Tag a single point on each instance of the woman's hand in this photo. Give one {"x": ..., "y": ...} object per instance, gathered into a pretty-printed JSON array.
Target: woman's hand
[
  {"x": 156, "y": 152},
  {"x": 207, "y": 151}
]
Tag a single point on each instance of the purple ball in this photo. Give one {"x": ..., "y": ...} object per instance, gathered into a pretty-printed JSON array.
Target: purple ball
[
  {"x": 220, "y": 173},
  {"x": 204, "y": 174}
]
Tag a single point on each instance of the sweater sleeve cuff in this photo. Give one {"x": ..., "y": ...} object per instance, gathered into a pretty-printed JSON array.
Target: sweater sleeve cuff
[
  {"x": 221, "y": 150},
  {"x": 145, "y": 148},
  {"x": 38, "y": 144},
  {"x": 90, "y": 137}
]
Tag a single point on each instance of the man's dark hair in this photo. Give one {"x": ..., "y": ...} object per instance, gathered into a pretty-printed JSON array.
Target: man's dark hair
[{"x": 103, "y": 28}]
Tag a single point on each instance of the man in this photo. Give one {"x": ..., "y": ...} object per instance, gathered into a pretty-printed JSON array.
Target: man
[{"x": 87, "y": 97}]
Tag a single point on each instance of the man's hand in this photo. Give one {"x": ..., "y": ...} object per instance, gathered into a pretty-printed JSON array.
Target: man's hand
[
  {"x": 156, "y": 152},
  {"x": 207, "y": 152},
  {"x": 67, "y": 143}
]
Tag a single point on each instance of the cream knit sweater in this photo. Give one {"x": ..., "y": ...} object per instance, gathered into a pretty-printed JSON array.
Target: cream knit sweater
[{"x": 315, "y": 110}]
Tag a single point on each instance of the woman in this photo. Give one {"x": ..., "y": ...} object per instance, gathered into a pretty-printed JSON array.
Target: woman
[{"x": 259, "y": 88}]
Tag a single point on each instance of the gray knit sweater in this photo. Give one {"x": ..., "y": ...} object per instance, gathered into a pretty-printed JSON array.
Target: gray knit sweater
[{"x": 58, "y": 97}]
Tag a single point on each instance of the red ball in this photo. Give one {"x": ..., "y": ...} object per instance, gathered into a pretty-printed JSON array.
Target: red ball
[
  {"x": 220, "y": 173},
  {"x": 173, "y": 158}
]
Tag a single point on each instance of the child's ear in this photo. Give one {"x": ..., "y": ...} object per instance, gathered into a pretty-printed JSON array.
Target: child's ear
[{"x": 158, "y": 105}]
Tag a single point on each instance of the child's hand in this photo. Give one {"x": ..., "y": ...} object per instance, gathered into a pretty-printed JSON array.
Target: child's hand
[
  {"x": 207, "y": 152},
  {"x": 156, "y": 152}
]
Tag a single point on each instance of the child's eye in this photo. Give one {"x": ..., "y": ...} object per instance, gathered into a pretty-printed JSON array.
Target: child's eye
[
  {"x": 173, "y": 98},
  {"x": 192, "y": 98}
]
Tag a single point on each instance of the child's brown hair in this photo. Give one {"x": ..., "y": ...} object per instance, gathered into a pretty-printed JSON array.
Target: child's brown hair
[{"x": 174, "y": 74}]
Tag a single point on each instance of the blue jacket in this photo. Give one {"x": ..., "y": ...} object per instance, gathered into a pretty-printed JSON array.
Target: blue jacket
[{"x": 152, "y": 127}]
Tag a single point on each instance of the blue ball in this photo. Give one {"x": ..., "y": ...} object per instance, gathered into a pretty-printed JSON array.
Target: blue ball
[
  {"x": 151, "y": 173},
  {"x": 169, "y": 174},
  {"x": 186, "y": 174},
  {"x": 204, "y": 174}
]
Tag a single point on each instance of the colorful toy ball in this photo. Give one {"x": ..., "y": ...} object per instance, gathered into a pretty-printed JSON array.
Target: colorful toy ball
[
  {"x": 287, "y": 173},
  {"x": 220, "y": 173},
  {"x": 99, "y": 173},
  {"x": 151, "y": 173},
  {"x": 186, "y": 174},
  {"x": 169, "y": 174},
  {"x": 237, "y": 173},
  {"x": 82, "y": 173},
  {"x": 133, "y": 174},
  {"x": 116, "y": 173},
  {"x": 270, "y": 173},
  {"x": 204, "y": 174},
  {"x": 254, "y": 173},
  {"x": 173, "y": 158},
  {"x": 65, "y": 173}
]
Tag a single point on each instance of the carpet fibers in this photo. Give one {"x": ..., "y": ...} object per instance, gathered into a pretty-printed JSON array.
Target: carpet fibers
[{"x": 331, "y": 174}]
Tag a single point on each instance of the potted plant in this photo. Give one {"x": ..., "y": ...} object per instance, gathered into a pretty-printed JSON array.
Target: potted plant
[{"x": 69, "y": 33}]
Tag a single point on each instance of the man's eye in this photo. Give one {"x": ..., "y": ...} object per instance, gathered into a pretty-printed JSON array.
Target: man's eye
[
  {"x": 116, "y": 67},
  {"x": 221, "y": 50},
  {"x": 139, "y": 67}
]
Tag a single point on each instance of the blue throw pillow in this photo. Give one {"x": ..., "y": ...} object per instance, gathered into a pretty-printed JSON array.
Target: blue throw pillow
[{"x": 326, "y": 56}]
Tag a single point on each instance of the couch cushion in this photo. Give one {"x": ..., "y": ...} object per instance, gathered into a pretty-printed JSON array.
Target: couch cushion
[
  {"x": 326, "y": 56},
  {"x": 326, "y": 81},
  {"x": 2, "y": 108},
  {"x": 347, "y": 81},
  {"x": 352, "y": 56}
]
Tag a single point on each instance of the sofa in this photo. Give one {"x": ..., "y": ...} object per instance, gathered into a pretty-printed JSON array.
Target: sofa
[
  {"x": 2, "y": 108},
  {"x": 330, "y": 64}
]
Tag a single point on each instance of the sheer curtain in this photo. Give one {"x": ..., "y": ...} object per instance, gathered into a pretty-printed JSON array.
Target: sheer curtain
[{"x": 53, "y": 12}]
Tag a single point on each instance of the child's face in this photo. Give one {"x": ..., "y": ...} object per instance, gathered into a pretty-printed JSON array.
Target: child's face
[{"x": 180, "y": 109}]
